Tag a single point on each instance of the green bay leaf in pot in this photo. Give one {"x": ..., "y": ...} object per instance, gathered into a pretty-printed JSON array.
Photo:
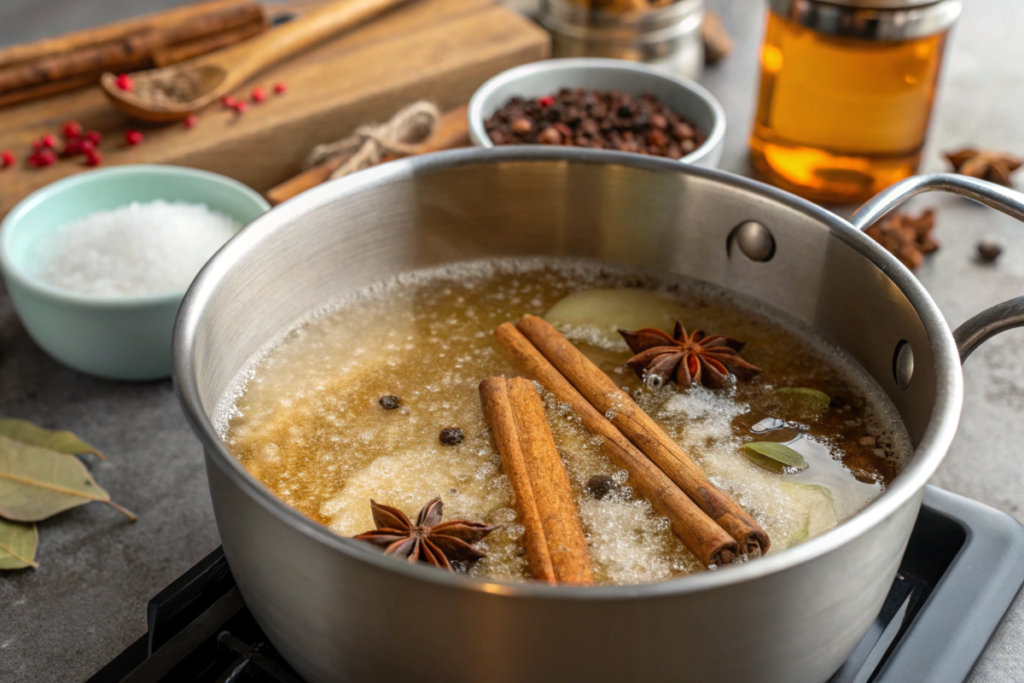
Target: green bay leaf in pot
[
  {"x": 18, "y": 545},
  {"x": 821, "y": 512},
  {"x": 60, "y": 441},
  {"x": 773, "y": 456},
  {"x": 802, "y": 403},
  {"x": 802, "y": 533},
  {"x": 37, "y": 483},
  {"x": 596, "y": 315}
]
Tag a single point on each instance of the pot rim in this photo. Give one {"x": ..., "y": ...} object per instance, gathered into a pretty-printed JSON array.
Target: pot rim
[{"x": 929, "y": 453}]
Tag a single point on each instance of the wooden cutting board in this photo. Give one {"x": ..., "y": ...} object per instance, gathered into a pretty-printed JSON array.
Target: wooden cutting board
[{"x": 440, "y": 50}]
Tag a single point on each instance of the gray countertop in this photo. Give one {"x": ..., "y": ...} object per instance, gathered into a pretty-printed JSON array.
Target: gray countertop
[{"x": 87, "y": 601}]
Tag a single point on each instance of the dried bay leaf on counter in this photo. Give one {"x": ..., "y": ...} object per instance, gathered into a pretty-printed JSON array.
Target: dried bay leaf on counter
[
  {"x": 60, "y": 441},
  {"x": 18, "y": 545},
  {"x": 37, "y": 483}
]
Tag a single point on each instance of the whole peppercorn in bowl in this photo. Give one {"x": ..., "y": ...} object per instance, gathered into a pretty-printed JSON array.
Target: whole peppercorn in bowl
[{"x": 599, "y": 103}]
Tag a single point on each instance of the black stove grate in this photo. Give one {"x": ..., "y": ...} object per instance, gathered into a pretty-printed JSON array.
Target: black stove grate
[{"x": 962, "y": 568}]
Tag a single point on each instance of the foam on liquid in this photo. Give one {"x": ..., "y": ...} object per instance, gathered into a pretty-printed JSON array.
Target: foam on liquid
[{"x": 305, "y": 420}]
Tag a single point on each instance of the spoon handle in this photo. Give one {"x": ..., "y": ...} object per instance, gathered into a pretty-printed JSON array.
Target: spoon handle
[{"x": 248, "y": 58}]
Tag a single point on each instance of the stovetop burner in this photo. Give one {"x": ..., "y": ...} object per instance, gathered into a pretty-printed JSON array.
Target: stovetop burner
[{"x": 962, "y": 568}]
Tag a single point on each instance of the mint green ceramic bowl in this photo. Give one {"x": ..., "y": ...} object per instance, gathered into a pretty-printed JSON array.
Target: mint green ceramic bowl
[{"x": 126, "y": 338}]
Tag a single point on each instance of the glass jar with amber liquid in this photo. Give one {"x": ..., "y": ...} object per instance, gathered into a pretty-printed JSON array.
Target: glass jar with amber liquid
[{"x": 847, "y": 88}]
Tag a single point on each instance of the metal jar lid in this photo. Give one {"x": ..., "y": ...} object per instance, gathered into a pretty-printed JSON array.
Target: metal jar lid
[
  {"x": 566, "y": 16},
  {"x": 871, "y": 19}
]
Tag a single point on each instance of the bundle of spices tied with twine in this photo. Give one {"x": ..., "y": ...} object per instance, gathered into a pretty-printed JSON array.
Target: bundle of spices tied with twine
[
  {"x": 417, "y": 129},
  {"x": 713, "y": 526}
]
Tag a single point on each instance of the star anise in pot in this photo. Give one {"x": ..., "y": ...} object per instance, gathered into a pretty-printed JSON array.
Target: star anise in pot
[
  {"x": 428, "y": 540},
  {"x": 907, "y": 238},
  {"x": 686, "y": 358},
  {"x": 985, "y": 164}
]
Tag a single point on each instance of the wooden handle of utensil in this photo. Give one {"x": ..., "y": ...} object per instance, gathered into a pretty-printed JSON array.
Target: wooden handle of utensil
[
  {"x": 246, "y": 59},
  {"x": 452, "y": 130}
]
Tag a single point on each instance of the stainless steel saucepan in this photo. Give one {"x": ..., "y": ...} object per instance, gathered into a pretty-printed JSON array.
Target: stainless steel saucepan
[{"x": 340, "y": 611}]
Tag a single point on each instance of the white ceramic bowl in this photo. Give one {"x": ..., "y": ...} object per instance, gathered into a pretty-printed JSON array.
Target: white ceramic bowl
[{"x": 686, "y": 98}]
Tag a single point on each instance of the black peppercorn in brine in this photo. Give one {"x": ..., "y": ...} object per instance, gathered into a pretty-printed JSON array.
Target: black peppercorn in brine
[{"x": 597, "y": 119}]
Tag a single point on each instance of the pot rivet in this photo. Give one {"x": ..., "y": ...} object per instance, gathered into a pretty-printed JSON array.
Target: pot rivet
[
  {"x": 903, "y": 364},
  {"x": 754, "y": 240}
]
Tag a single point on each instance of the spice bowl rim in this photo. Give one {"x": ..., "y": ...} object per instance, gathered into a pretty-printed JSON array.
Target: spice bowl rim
[
  {"x": 706, "y": 154},
  {"x": 11, "y": 267}
]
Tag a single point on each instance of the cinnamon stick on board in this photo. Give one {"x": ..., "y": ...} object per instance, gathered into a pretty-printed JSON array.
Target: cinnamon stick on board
[
  {"x": 705, "y": 539},
  {"x": 128, "y": 51},
  {"x": 115, "y": 31},
  {"x": 603, "y": 394},
  {"x": 555, "y": 543}
]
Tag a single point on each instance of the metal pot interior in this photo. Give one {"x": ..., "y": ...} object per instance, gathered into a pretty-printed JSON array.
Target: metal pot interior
[{"x": 623, "y": 209}]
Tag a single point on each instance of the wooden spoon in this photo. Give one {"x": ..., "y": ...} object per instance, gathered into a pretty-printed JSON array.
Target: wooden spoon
[{"x": 171, "y": 93}]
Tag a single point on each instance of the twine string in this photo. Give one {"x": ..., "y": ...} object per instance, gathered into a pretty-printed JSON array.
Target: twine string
[{"x": 370, "y": 143}]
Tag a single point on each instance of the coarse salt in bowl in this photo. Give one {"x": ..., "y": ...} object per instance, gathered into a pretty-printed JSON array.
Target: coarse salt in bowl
[{"x": 91, "y": 265}]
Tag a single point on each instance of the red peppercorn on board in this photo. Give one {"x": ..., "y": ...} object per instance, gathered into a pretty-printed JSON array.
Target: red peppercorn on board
[{"x": 441, "y": 50}]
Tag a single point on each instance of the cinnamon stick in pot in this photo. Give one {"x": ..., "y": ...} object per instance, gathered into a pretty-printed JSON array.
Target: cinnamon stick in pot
[
  {"x": 605, "y": 396},
  {"x": 498, "y": 411},
  {"x": 704, "y": 538},
  {"x": 555, "y": 543}
]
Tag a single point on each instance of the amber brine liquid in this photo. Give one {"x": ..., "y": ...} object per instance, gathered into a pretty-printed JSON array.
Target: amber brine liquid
[{"x": 839, "y": 119}]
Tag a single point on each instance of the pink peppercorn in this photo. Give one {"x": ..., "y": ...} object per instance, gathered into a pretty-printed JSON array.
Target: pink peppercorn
[
  {"x": 44, "y": 157},
  {"x": 7, "y": 158},
  {"x": 48, "y": 141},
  {"x": 94, "y": 136},
  {"x": 86, "y": 146},
  {"x": 191, "y": 120},
  {"x": 37, "y": 145},
  {"x": 546, "y": 101},
  {"x": 258, "y": 95},
  {"x": 72, "y": 129},
  {"x": 132, "y": 137},
  {"x": 72, "y": 147},
  {"x": 228, "y": 100},
  {"x": 124, "y": 82},
  {"x": 93, "y": 157},
  {"x": 280, "y": 88},
  {"x": 241, "y": 106}
]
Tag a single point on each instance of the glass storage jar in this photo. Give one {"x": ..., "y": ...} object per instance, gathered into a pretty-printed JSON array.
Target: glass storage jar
[
  {"x": 847, "y": 88},
  {"x": 667, "y": 35}
]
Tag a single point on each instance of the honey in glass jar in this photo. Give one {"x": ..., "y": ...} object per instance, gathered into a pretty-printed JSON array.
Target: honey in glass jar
[{"x": 846, "y": 93}]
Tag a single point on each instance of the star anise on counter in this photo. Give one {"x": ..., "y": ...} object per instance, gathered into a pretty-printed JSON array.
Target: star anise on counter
[
  {"x": 686, "y": 359},
  {"x": 428, "y": 540},
  {"x": 908, "y": 239},
  {"x": 986, "y": 164}
]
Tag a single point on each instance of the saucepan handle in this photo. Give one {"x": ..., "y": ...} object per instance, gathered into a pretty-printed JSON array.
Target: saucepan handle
[{"x": 991, "y": 321}]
